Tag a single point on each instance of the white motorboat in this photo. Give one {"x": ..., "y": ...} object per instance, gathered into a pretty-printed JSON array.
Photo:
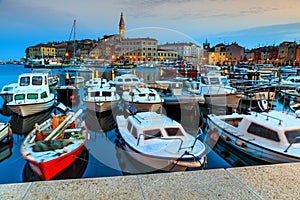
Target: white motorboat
[
  {"x": 32, "y": 94},
  {"x": 143, "y": 99},
  {"x": 272, "y": 137},
  {"x": 101, "y": 99},
  {"x": 216, "y": 90},
  {"x": 174, "y": 93},
  {"x": 160, "y": 142}
]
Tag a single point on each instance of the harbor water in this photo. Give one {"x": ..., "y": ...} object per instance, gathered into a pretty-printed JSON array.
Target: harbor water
[{"x": 102, "y": 157}]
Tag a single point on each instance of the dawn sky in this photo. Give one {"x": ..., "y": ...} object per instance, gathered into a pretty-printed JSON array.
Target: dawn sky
[{"x": 28, "y": 22}]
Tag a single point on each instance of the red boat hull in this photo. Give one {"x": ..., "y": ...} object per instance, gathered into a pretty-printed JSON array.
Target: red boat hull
[{"x": 48, "y": 170}]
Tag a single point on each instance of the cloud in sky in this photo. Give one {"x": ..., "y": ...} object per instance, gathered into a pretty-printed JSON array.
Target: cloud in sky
[{"x": 34, "y": 21}]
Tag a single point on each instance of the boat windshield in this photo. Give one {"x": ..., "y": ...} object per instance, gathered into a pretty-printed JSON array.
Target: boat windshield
[
  {"x": 174, "y": 132},
  {"x": 214, "y": 81},
  {"x": 37, "y": 80},
  {"x": 8, "y": 89},
  {"x": 106, "y": 94},
  {"x": 291, "y": 135},
  {"x": 224, "y": 81},
  {"x": 24, "y": 81},
  {"x": 151, "y": 134}
]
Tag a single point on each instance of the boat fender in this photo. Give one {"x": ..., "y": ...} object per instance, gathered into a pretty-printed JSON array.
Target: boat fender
[
  {"x": 9, "y": 132},
  {"x": 54, "y": 122},
  {"x": 214, "y": 136},
  {"x": 241, "y": 144},
  {"x": 226, "y": 137}
]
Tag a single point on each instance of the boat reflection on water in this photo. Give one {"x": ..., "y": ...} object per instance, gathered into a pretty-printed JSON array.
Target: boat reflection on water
[
  {"x": 6, "y": 149},
  {"x": 5, "y": 110},
  {"x": 232, "y": 157},
  {"x": 22, "y": 125},
  {"x": 99, "y": 122},
  {"x": 190, "y": 118},
  {"x": 75, "y": 170}
]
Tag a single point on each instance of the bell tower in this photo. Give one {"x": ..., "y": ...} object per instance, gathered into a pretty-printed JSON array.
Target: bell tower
[{"x": 121, "y": 26}]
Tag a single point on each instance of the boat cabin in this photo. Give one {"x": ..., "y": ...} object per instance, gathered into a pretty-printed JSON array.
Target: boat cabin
[
  {"x": 214, "y": 79},
  {"x": 32, "y": 87},
  {"x": 96, "y": 82},
  {"x": 127, "y": 79},
  {"x": 274, "y": 129},
  {"x": 212, "y": 83},
  {"x": 142, "y": 95},
  {"x": 36, "y": 80},
  {"x": 147, "y": 126},
  {"x": 104, "y": 92}
]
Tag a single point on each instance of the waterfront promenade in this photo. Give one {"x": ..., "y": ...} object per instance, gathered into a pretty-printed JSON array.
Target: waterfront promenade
[{"x": 279, "y": 181}]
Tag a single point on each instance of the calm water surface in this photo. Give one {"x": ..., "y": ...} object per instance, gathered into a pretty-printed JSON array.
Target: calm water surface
[{"x": 101, "y": 158}]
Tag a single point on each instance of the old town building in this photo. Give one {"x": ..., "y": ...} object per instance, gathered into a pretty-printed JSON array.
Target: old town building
[
  {"x": 40, "y": 51},
  {"x": 185, "y": 50}
]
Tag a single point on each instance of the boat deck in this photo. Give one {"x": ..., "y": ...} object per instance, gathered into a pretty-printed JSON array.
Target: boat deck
[{"x": 257, "y": 182}]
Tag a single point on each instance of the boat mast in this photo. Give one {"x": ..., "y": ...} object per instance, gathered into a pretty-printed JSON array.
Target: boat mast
[{"x": 74, "y": 27}]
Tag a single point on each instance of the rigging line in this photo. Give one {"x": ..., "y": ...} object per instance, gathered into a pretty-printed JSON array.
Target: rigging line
[{"x": 85, "y": 160}]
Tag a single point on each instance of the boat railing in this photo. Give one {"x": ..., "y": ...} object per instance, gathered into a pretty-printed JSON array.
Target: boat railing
[
  {"x": 295, "y": 140},
  {"x": 161, "y": 138},
  {"x": 268, "y": 116}
]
